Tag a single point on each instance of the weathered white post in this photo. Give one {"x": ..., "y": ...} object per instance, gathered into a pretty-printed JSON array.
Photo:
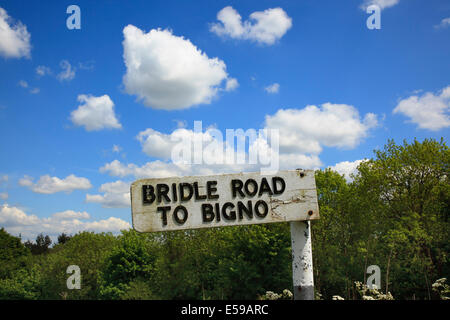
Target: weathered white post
[{"x": 302, "y": 265}]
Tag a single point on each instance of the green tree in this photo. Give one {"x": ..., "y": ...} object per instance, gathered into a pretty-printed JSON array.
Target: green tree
[
  {"x": 13, "y": 254},
  {"x": 42, "y": 244},
  {"x": 129, "y": 267},
  {"x": 89, "y": 252},
  {"x": 63, "y": 238},
  {"x": 406, "y": 189}
]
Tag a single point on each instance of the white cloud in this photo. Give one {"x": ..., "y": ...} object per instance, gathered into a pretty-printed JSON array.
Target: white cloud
[
  {"x": 429, "y": 111},
  {"x": 49, "y": 185},
  {"x": 116, "y": 195},
  {"x": 116, "y": 148},
  {"x": 23, "y": 84},
  {"x": 67, "y": 73},
  {"x": 14, "y": 38},
  {"x": 264, "y": 27},
  {"x": 16, "y": 221},
  {"x": 88, "y": 65},
  {"x": 154, "y": 169},
  {"x": 70, "y": 214},
  {"x": 12, "y": 216},
  {"x": 231, "y": 84},
  {"x": 347, "y": 168},
  {"x": 306, "y": 130},
  {"x": 26, "y": 181},
  {"x": 302, "y": 135},
  {"x": 273, "y": 88},
  {"x": 445, "y": 23},
  {"x": 4, "y": 195},
  {"x": 43, "y": 70},
  {"x": 95, "y": 114},
  {"x": 381, "y": 3},
  {"x": 159, "y": 145},
  {"x": 169, "y": 72}
]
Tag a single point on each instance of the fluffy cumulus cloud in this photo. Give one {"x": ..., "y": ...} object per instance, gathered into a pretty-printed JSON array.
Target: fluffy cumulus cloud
[
  {"x": 169, "y": 72},
  {"x": 152, "y": 169},
  {"x": 160, "y": 145},
  {"x": 307, "y": 130},
  {"x": 16, "y": 221},
  {"x": 273, "y": 88},
  {"x": 264, "y": 27},
  {"x": 429, "y": 111},
  {"x": 303, "y": 133},
  {"x": 445, "y": 23},
  {"x": 381, "y": 3},
  {"x": 95, "y": 113},
  {"x": 115, "y": 195},
  {"x": 347, "y": 168},
  {"x": 14, "y": 37},
  {"x": 157, "y": 144},
  {"x": 50, "y": 185}
]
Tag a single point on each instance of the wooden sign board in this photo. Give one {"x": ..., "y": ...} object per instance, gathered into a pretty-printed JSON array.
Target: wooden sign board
[{"x": 180, "y": 203}]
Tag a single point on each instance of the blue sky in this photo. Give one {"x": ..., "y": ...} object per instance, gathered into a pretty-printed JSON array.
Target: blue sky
[{"x": 319, "y": 53}]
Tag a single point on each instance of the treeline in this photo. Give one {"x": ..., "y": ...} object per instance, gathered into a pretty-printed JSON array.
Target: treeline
[{"x": 394, "y": 214}]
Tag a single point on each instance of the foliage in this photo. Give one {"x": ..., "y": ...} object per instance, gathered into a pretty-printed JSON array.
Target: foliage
[
  {"x": 441, "y": 289},
  {"x": 42, "y": 244},
  {"x": 86, "y": 250},
  {"x": 13, "y": 254},
  {"x": 366, "y": 293},
  {"x": 270, "y": 295},
  {"x": 63, "y": 238}
]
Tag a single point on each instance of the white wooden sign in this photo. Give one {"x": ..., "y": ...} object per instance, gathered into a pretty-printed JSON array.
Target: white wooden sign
[{"x": 223, "y": 200}]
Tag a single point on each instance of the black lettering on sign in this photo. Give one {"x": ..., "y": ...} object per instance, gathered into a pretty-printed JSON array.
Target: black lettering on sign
[
  {"x": 242, "y": 208},
  {"x": 183, "y": 196},
  {"x": 148, "y": 194},
  {"x": 264, "y": 188},
  {"x": 162, "y": 190},
  {"x": 277, "y": 191},
  {"x": 251, "y": 187},
  {"x": 217, "y": 209},
  {"x": 198, "y": 196},
  {"x": 211, "y": 189},
  {"x": 207, "y": 212},
  {"x": 174, "y": 192},
  {"x": 177, "y": 217},
  {"x": 163, "y": 210},
  {"x": 264, "y": 212},
  {"x": 236, "y": 187},
  {"x": 232, "y": 214}
]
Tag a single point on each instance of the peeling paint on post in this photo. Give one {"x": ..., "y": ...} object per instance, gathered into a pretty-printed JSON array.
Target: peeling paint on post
[{"x": 302, "y": 265}]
